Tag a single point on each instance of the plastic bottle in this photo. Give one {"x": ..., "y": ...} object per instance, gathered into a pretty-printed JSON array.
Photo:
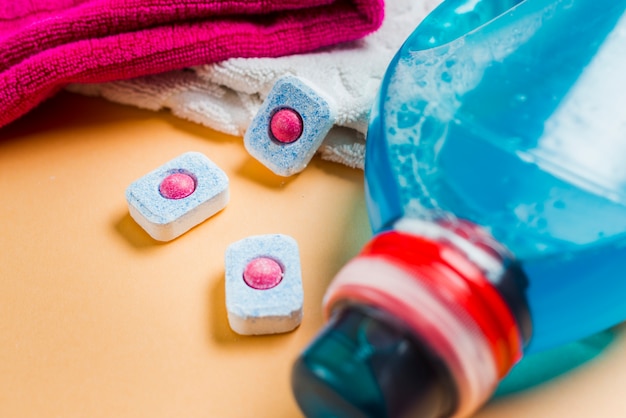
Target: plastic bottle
[{"x": 496, "y": 188}]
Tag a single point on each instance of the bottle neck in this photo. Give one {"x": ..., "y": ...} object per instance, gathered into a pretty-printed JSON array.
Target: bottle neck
[
  {"x": 497, "y": 264},
  {"x": 456, "y": 293}
]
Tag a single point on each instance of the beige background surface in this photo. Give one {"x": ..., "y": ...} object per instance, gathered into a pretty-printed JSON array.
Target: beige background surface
[{"x": 99, "y": 320}]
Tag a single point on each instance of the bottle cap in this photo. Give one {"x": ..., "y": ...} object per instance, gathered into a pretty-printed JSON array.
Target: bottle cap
[
  {"x": 418, "y": 326},
  {"x": 366, "y": 364}
]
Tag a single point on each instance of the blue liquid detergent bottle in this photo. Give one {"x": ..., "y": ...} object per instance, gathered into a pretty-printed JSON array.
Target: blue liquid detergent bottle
[{"x": 496, "y": 189}]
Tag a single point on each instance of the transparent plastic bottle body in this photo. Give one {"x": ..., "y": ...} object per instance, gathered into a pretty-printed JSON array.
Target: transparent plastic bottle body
[
  {"x": 518, "y": 126},
  {"x": 496, "y": 188}
]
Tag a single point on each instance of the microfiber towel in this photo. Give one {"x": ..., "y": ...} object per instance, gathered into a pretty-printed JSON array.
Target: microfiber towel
[
  {"x": 226, "y": 95},
  {"x": 46, "y": 44}
]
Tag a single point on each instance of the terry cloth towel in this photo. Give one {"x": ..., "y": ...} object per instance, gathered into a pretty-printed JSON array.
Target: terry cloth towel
[
  {"x": 225, "y": 96},
  {"x": 46, "y": 44}
]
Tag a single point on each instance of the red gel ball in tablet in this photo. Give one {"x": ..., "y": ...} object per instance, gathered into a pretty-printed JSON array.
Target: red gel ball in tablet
[
  {"x": 177, "y": 186},
  {"x": 286, "y": 125},
  {"x": 262, "y": 273}
]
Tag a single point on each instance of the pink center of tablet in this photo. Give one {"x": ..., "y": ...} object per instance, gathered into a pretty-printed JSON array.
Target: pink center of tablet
[
  {"x": 262, "y": 273},
  {"x": 286, "y": 125},
  {"x": 177, "y": 186}
]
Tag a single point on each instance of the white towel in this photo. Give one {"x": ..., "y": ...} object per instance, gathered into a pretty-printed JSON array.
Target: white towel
[{"x": 226, "y": 96}]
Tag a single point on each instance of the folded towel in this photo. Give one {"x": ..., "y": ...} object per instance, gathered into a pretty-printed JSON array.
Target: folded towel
[
  {"x": 225, "y": 96},
  {"x": 44, "y": 45}
]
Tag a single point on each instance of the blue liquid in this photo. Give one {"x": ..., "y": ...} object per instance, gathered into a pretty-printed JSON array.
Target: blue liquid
[{"x": 518, "y": 126}]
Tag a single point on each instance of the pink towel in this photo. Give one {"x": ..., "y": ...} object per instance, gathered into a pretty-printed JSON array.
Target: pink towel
[{"x": 46, "y": 44}]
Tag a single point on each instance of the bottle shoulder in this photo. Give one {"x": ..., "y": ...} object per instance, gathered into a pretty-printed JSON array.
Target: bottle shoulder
[{"x": 482, "y": 129}]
